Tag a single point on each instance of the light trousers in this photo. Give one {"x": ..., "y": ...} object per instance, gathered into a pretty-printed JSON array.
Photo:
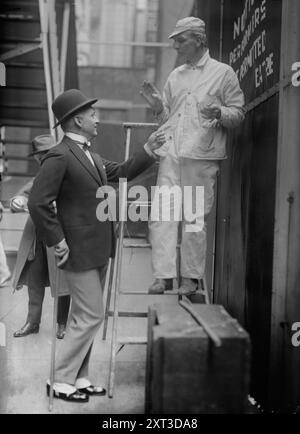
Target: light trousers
[
  {"x": 182, "y": 172},
  {"x": 86, "y": 316}
]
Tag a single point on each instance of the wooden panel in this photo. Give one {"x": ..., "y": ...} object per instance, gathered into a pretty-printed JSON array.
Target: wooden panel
[
  {"x": 246, "y": 197},
  {"x": 284, "y": 388},
  {"x": 245, "y": 240},
  {"x": 16, "y": 30},
  {"x": 23, "y": 76},
  {"x": 21, "y": 97}
]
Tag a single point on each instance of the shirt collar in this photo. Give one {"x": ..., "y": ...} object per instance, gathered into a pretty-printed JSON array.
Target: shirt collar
[
  {"x": 81, "y": 140},
  {"x": 202, "y": 62}
]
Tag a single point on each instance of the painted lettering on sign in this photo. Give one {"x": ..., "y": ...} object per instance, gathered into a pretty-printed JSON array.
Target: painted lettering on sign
[
  {"x": 252, "y": 53},
  {"x": 252, "y": 41}
]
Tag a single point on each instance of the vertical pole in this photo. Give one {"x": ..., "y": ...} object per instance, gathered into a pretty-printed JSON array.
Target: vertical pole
[
  {"x": 221, "y": 30},
  {"x": 114, "y": 343},
  {"x": 53, "y": 343},
  {"x": 118, "y": 262},
  {"x": 54, "y": 49},
  {"x": 215, "y": 234},
  {"x": 3, "y": 162},
  {"x": 64, "y": 45},
  {"x": 44, "y": 17},
  {"x": 127, "y": 146},
  {"x": 108, "y": 289}
]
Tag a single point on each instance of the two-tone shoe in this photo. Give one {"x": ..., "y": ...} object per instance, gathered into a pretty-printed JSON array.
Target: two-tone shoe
[
  {"x": 93, "y": 390},
  {"x": 76, "y": 396}
]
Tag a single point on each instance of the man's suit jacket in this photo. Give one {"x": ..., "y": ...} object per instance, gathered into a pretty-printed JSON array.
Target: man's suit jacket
[{"x": 69, "y": 178}]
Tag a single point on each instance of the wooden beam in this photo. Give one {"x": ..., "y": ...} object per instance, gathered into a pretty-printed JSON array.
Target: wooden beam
[{"x": 19, "y": 50}]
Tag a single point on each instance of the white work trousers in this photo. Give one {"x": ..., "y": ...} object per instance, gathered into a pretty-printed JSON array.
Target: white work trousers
[{"x": 175, "y": 171}]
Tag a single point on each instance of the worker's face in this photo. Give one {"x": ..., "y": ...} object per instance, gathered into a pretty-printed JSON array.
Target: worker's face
[
  {"x": 186, "y": 45},
  {"x": 87, "y": 121}
]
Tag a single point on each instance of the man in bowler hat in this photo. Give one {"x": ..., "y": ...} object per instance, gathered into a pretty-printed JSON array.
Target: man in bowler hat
[
  {"x": 71, "y": 175},
  {"x": 35, "y": 267}
]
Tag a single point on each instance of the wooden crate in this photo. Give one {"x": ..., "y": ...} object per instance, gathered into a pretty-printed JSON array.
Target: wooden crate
[{"x": 186, "y": 372}]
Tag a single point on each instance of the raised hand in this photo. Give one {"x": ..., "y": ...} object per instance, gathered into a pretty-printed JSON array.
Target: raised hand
[
  {"x": 156, "y": 140},
  {"x": 152, "y": 96}
]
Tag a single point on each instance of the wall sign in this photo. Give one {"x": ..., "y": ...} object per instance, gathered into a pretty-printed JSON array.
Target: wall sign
[{"x": 252, "y": 35}]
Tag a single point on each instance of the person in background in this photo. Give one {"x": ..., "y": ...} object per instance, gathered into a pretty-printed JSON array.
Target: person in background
[
  {"x": 202, "y": 99},
  {"x": 5, "y": 274},
  {"x": 35, "y": 267}
]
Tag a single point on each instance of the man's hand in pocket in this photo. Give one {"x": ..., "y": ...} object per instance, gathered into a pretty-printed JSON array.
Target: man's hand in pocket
[{"x": 61, "y": 251}]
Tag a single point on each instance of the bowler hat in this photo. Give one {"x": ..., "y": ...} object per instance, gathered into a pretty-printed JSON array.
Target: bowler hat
[
  {"x": 42, "y": 144},
  {"x": 188, "y": 23},
  {"x": 68, "y": 103}
]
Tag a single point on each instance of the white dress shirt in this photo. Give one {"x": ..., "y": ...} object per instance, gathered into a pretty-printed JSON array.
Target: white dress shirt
[{"x": 81, "y": 140}]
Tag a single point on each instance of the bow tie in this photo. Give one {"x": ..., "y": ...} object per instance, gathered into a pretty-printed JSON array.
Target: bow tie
[{"x": 85, "y": 146}]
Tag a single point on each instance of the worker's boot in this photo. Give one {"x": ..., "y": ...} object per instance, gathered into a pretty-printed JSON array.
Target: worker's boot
[
  {"x": 188, "y": 286},
  {"x": 161, "y": 285}
]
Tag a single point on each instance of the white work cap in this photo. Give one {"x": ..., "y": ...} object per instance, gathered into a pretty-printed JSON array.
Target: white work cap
[{"x": 188, "y": 23}]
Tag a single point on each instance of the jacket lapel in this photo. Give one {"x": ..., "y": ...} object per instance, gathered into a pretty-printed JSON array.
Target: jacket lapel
[
  {"x": 83, "y": 159},
  {"x": 100, "y": 166}
]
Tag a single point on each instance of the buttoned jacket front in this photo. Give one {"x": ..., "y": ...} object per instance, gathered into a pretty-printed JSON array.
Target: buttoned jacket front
[
  {"x": 68, "y": 177},
  {"x": 187, "y": 90}
]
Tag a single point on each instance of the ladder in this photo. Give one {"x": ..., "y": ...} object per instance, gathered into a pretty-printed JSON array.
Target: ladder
[{"x": 113, "y": 279}]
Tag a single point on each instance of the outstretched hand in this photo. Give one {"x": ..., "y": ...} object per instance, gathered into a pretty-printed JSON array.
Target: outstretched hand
[
  {"x": 156, "y": 140},
  {"x": 152, "y": 95}
]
